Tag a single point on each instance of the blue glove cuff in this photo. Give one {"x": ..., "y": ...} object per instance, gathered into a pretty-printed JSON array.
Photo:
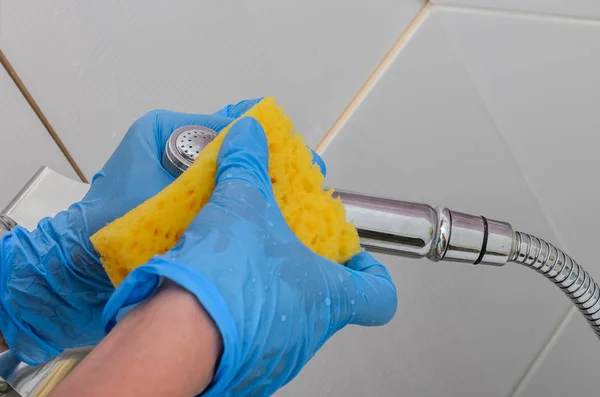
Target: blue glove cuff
[
  {"x": 26, "y": 344},
  {"x": 52, "y": 288},
  {"x": 144, "y": 280}
]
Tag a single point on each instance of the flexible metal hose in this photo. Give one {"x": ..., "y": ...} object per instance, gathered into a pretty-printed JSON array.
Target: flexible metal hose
[{"x": 559, "y": 267}]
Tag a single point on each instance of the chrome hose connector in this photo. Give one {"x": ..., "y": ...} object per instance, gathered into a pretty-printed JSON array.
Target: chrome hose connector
[
  {"x": 561, "y": 269},
  {"x": 472, "y": 239}
]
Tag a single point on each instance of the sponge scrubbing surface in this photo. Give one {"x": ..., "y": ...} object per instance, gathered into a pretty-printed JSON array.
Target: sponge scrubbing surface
[{"x": 155, "y": 226}]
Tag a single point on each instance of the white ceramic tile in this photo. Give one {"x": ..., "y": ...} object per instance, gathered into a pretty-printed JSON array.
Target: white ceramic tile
[
  {"x": 540, "y": 83},
  {"x": 423, "y": 134},
  {"x": 95, "y": 67},
  {"x": 571, "y": 367},
  {"x": 571, "y": 8},
  {"x": 25, "y": 145},
  {"x": 539, "y": 80}
]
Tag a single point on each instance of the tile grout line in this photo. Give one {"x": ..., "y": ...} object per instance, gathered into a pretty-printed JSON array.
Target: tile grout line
[
  {"x": 506, "y": 12},
  {"x": 543, "y": 353},
  {"x": 373, "y": 79},
  {"x": 38, "y": 112}
]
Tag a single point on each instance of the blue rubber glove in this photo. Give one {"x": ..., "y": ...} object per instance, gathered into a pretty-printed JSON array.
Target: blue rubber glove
[
  {"x": 274, "y": 301},
  {"x": 53, "y": 287}
]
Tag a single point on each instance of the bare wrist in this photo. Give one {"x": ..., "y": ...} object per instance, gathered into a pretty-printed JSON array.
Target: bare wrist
[
  {"x": 168, "y": 345},
  {"x": 173, "y": 295}
]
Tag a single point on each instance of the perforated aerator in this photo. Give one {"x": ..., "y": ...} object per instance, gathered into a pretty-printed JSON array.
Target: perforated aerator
[{"x": 183, "y": 147}]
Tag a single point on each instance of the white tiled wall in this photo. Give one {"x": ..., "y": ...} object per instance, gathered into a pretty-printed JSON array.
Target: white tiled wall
[
  {"x": 94, "y": 67},
  {"x": 488, "y": 107}
]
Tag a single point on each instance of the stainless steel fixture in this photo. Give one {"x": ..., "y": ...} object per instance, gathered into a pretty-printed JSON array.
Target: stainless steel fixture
[
  {"x": 184, "y": 145},
  {"x": 6, "y": 224}
]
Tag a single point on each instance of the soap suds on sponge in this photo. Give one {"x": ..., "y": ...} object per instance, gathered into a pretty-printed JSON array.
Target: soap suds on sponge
[{"x": 155, "y": 226}]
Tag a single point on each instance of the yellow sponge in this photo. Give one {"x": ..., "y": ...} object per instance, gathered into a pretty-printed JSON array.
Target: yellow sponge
[{"x": 154, "y": 227}]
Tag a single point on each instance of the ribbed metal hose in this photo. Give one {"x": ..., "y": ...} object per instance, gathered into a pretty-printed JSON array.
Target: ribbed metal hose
[{"x": 559, "y": 267}]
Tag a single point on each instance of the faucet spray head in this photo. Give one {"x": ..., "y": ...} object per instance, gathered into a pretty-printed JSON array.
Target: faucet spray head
[{"x": 184, "y": 146}]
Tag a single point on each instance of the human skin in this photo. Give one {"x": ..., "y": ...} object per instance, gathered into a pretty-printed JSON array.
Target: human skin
[{"x": 166, "y": 346}]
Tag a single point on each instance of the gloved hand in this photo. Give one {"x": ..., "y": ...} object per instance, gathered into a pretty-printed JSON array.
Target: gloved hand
[
  {"x": 53, "y": 287},
  {"x": 274, "y": 301}
]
